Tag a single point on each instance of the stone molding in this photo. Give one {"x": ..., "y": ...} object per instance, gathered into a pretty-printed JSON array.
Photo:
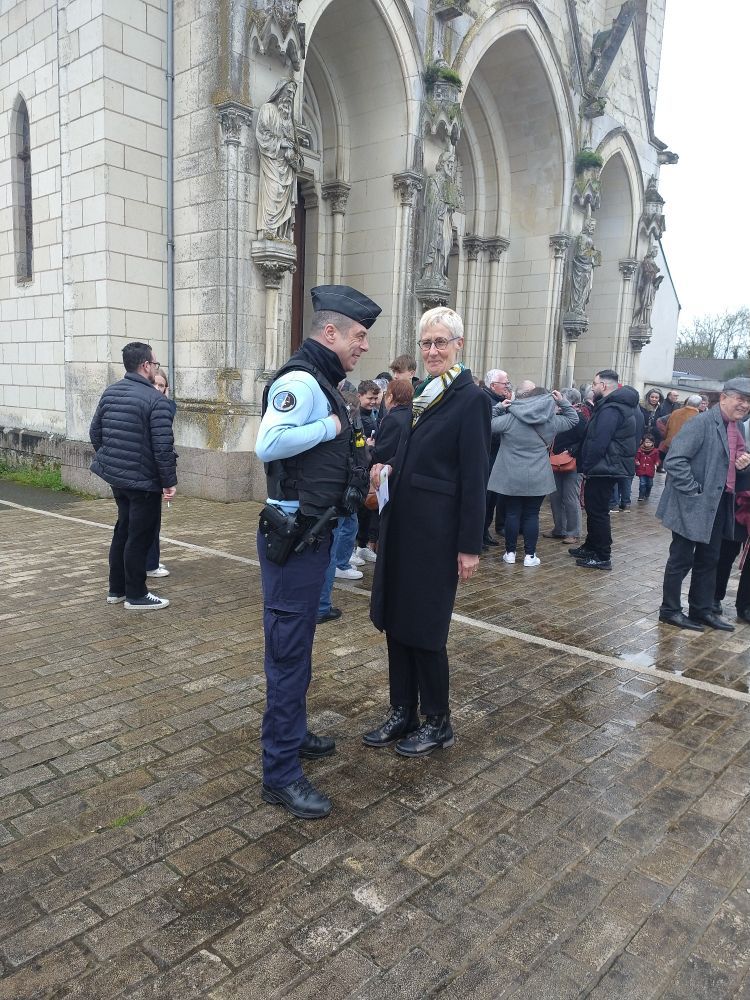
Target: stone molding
[
  {"x": 559, "y": 244},
  {"x": 337, "y": 193},
  {"x": 496, "y": 247},
  {"x": 274, "y": 258},
  {"x": 432, "y": 293},
  {"x": 473, "y": 245},
  {"x": 232, "y": 116},
  {"x": 574, "y": 324},
  {"x": 408, "y": 183},
  {"x": 628, "y": 267},
  {"x": 274, "y": 25},
  {"x": 640, "y": 335}
]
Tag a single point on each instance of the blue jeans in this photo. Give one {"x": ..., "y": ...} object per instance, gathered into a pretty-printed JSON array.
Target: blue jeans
[
  {"x": 522, "y": 515},
  {"x": 644, "y": 486},
  {"x": 341, "y": 552},
  {"x": 621, "y": 492}
]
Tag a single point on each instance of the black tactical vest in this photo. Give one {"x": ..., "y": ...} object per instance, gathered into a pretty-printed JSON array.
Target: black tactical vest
[{"x": 318, "y": 477}]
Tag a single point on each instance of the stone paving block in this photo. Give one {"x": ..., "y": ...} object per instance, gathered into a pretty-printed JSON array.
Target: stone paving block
[
  {"x": 415, "y": 975},
  {"x": 535, "y": 931},
  {"x": 262, "y": 978},
  {"x": 631, "y": 977},
  {"x": 487, "y": 978},
  {"x": 134, "y": 924},
  {"x": 396, "y": 933},
  {"x": 201, "y": 853},
  {"x": 133, "y": 888},
  {"x": 469, "y": 933},
  {"x": 49, "y": 931},
  {"x": 77, "y": 884},
  {"x": 190, "y": 931},
  {"x": 699, "y": 980},
  {"x": 330, "y": 930},
  {"x": 47, "y": 973},
  {"x": 317, "y": 855},
  {"x": 255, "y": 935},
  {"x": 339, "y": 976},
  {"x": 119, "y": 976}
]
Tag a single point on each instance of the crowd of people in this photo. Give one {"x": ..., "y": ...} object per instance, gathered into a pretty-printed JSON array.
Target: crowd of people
[{"x": 409, "y": 476}]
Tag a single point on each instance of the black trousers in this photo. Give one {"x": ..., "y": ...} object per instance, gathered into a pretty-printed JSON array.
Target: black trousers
[
  {"x": 418, "y": 675},
  {"x": 138, "y": 515},
  {"x": 596, "y": 497},
  {"x": 727, "y": 554},
  {"x": 700, "y": 557}
]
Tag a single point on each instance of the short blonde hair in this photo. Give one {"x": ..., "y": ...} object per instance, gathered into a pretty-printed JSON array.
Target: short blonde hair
[{"x": 442, "y": 316}]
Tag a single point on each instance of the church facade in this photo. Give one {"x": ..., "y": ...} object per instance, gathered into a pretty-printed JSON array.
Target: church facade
[{"x": 184, "y": 171}]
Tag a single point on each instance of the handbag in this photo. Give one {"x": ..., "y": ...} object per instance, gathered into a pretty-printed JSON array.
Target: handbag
[{"x": 562, "y": 462}]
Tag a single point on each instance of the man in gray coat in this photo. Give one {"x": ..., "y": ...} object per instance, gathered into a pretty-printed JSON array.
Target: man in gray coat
[{"x": 698, "y": 505}]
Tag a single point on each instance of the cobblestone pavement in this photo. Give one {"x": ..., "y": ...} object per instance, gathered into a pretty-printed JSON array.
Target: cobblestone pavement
[{"x": 587, "y": 836}]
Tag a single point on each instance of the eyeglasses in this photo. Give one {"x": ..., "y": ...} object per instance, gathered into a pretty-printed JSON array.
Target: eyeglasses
[
  {"x": 439, "y": 342},
  {"x": 153, "y": 363}
]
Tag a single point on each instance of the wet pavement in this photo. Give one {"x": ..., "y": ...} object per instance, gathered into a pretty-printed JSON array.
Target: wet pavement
[{"x": 587, "y": 836}]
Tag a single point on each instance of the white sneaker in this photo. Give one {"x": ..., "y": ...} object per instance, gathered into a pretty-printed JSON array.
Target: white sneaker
[
  {"x": 367, "y": 554},
  {"x": 356, "y": 561},
  {"x": 509, "y": 557},
  {"x": 531, "y": 561},
  {"x": 148, "y": 603},
  {"x": 349, "y": 574},
  {"x": 159, "y": 571},
  {"x": 113, "y": 598}
]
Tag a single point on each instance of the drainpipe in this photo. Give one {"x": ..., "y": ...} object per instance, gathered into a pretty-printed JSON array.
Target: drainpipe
[{"x": 170, "y": 193}]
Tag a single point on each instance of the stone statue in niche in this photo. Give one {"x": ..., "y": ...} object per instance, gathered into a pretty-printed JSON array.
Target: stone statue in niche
[
  {"x": 585, "y": 258},
  {"x": 442, "y": 199},
  {"x": 649, "y": 279},
  {"x": 280, "y": 162}
]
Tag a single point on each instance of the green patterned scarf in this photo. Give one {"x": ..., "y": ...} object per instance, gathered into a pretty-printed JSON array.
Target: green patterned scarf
[{"x": 429, "y": 393}]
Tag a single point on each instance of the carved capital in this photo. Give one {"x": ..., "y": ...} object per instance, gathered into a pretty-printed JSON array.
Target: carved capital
[
  {"x": 640, "y": 335},
  {"x": 408, "y": 183},
  {"x": 473, "y": 245},
  {"x": 433, "y": 293},
  {"x": 574, "y": 324},
  {"x": 496, "y": 246},
  {"x": 628, "y": 267},
  {"x": 232, "y": 116},
  {"x": 559, "y": 244},
  {"x": 337, "y": 192},
  {"x": 274, "y": 258}
]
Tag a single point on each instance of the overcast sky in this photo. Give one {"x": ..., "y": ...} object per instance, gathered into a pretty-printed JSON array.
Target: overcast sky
[{"x": 702, "y": 114}]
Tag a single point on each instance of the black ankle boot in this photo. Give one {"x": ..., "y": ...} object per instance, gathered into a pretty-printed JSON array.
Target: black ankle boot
[
  {"x": 402, "y": 720},
  {"x": 435, "y": 733}
]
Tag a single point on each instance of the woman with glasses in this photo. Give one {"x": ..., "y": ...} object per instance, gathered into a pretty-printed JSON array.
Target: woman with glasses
[{"x": 430, "y": 537}]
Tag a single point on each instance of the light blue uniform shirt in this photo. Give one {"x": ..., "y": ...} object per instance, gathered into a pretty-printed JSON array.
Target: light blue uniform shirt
[{"x": 298, "y": 418}]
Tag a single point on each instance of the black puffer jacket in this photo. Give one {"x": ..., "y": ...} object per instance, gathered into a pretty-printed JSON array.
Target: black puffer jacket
[
  {"x": 132, "y": 435},
  {"x": 612, "y": 435}
]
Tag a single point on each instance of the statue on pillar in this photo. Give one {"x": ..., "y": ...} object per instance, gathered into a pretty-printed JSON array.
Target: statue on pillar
[
  {"x": 442, "y": 199},
  {"x": 649, "y": 279},
  {"x": 585, "y": 258},
  {"x": 280, "y": 162}
]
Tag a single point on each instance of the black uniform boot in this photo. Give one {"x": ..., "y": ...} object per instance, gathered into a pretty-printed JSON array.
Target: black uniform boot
[
  {"x": 402, "y": 720},
  {"x": 435, "y": 733}
]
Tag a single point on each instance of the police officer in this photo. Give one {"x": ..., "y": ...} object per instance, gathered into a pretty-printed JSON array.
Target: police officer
[{"x": 315, "y": 468}]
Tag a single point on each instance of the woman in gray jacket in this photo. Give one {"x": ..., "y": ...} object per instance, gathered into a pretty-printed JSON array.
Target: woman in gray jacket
[{"x": 522, "y": 472}]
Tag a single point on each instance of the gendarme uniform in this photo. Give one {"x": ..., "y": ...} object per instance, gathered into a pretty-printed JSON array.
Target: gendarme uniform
[{"x": 310, "y": 470}]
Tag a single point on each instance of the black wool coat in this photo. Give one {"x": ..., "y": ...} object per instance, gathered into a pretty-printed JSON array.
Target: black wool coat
[{"x": 436, "y": 510}]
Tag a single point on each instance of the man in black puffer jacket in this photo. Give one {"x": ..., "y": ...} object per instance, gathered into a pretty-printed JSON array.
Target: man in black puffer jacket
[
  {"x": 608, "y": 453},
  {"x": 132, "y": 435}
]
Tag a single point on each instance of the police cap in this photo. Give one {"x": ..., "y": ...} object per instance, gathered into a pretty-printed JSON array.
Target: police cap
[{"x": 347, "y": 301}]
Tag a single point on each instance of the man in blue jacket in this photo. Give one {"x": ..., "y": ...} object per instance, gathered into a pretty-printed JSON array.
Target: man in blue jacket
[
  {"x": 607, "y": 453},
  {"x": 132, "y": 435}
]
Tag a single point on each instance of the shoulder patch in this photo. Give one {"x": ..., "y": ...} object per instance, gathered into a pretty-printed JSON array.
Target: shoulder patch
[{"x": 284, "y": 401}]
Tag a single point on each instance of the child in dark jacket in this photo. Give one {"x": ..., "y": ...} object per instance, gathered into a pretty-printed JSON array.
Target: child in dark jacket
[{"x": 647, "y": 460}]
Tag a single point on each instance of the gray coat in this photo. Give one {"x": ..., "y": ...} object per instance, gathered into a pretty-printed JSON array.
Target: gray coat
[
  {"x": 522, "y": 467},
  {"x": 696, "y": 465}
]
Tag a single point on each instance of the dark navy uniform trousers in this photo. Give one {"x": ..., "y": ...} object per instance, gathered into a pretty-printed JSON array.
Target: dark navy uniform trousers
[{"x": 291, "y": 594}]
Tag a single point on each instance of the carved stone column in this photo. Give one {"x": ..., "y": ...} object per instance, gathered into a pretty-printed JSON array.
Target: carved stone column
[
  {"x": 274, "y": 258},
  {"x": 555, "y": 365},
  {"x": 408, "y": 184},
  {"x": 337, "y": 193},
  {"x": 232, "y": 118},
  {"x": 621, "y": 354},
  {"x": 496, "y": 247},
  {"x": 473, "y": 245}
]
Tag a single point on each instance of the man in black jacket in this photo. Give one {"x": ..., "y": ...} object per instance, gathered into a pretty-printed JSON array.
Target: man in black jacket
[
  {"x": 607, "y": 453},
  {"x": 132, "y": 435},
  {"x": 498, "y": 387}
]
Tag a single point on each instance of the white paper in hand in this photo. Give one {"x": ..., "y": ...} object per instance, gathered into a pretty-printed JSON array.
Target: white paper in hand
[{"x": 382, "y": 490}]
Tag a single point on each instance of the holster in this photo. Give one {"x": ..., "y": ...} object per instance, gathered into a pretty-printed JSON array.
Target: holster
[{"x": 281, "y": 531}]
